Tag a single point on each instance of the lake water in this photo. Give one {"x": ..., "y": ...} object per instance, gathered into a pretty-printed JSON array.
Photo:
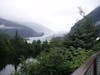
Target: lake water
[{"x": 7, "y": 70}]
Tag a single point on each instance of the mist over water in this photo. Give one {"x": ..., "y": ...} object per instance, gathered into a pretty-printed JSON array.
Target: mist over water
[{"x": 47, "y": 37}]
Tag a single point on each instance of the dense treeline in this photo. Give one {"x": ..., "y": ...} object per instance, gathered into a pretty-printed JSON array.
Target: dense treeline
[
  {"x": 83, "y": 36},
  {"x": 55, "y": 62},
  {"x": 62, "y": 57},
  {"x": 57, "y": 57},
  {"x": 11, "y": 49}
]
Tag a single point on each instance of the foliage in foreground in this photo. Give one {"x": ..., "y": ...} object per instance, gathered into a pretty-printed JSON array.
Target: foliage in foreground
[{"x": 55, "y": 62}]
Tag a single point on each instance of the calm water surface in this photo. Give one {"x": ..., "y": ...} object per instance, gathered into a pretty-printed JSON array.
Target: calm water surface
[{"x": 7, "y": 70}]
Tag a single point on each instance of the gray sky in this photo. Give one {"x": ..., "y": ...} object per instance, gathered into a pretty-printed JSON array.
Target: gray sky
[{"x": 58, "y": 15}]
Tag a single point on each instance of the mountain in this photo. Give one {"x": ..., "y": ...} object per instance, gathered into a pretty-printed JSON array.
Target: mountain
[
  {"x": 48, "y": 34},
  {"x": 38, "y": 27},
  {"x": 95, "y": 16},
  {"x": 10, "y": 28}
]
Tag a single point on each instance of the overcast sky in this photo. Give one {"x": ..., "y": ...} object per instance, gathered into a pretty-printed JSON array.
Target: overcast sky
[{"x": 58, "y": 15}]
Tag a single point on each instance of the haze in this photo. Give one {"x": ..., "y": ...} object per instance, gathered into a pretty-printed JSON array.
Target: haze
[{"x": 57, "y": 15}]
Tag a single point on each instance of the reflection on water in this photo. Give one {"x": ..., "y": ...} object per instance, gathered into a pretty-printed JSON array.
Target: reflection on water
[{"x": 7, "y": 70}]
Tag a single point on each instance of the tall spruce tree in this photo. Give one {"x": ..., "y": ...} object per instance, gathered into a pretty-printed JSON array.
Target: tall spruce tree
[{"x": 84, "y": 35}]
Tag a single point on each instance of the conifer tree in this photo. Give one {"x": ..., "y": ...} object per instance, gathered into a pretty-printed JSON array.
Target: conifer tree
[{"x": 84, "y": 35}]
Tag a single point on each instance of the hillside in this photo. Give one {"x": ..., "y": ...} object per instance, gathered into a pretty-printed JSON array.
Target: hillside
[
  {"x": 10, "y": 27},
  {"x": 38, "y": 27},
  {"x": 94, "y": 15}
]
